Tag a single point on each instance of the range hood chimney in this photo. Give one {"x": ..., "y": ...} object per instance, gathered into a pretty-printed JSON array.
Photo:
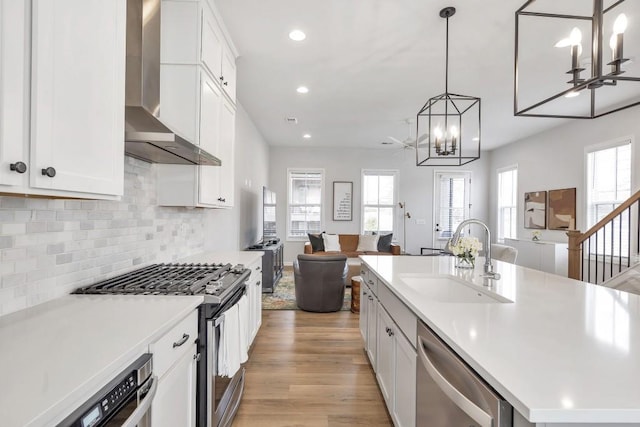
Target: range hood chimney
[{"x": 147, "y": 138}]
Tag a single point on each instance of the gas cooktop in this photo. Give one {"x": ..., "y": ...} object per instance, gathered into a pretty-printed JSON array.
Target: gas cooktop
[{"x": 216, "y": 282}]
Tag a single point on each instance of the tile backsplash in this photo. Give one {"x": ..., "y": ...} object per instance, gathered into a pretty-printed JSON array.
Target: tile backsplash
[{"x": 49, "y": 247}]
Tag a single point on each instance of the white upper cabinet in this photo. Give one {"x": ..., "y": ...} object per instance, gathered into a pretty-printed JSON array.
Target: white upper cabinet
[
  {"x": 75, "y": 113},
  {"x": 197, "y": 96}
]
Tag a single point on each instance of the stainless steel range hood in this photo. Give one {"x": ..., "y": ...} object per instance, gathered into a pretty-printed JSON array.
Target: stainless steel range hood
[{"x": 146, "y": 137}]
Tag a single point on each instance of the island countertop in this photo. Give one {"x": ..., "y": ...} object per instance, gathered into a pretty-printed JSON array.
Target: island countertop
[{"x": 562, "y": 351}]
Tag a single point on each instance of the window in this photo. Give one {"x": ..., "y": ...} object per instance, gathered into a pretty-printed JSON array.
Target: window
[
  {"x": 451, "y": 202},
  {"x": 507, "y": 202},
  {"x": 304, "y": 202},
  {"x": 608, "y": 185},
  {"x": 379, "y": 195}
]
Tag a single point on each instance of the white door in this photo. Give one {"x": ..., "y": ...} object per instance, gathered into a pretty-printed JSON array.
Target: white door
[
  {"x": 210, "y": 103},
  {"x": 386, "y": 356},
  {"x": 226, "y": 151},
  {"x": 77, "y": 95},
  {"x": 404, "y": 408},
  {"x": 175, "y": 401},
  {"x": 451, "y": 204}
]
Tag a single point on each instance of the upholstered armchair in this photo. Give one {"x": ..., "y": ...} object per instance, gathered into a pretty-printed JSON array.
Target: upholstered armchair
[{"x": 320, "y": 282}]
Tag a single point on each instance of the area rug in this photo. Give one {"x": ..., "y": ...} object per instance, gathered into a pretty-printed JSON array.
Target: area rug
[{"x": 284, "y": 296}]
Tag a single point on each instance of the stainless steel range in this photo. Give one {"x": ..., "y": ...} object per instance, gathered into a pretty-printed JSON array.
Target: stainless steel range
[{"x": 222, "y": 286}]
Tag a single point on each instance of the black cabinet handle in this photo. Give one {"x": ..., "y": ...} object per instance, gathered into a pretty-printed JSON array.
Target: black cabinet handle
[
  {"x": 225, "y": 83},
  {"x": 19, "y": 167},
  {"x": 50, "y": 172},
  {"x": 220, "y": 199},
  {"x": 221, "y": 78},
  {"x": 181, "y": 341},
  {"x": 258, "y": 283}
]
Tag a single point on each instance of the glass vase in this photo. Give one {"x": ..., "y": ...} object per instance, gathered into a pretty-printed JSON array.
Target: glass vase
[{"x": 465, "y": 262}]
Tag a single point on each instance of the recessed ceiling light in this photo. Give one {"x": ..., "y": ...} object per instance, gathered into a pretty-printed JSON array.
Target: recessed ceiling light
[
  {"x": 306, "y": 136},
  {"x": 302, "y": 89},
  {"x": 297, "y": 35}
]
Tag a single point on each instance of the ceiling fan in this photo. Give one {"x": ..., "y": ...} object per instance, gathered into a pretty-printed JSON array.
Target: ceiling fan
[{"x": 410, "y": 141}]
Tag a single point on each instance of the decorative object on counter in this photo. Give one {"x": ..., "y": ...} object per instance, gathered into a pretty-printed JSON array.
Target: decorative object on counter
[
  {"x": 466, "y": 250},
  {"x": 342, "y": 201},
  {"x": 284, "y": 298},
  {"x": 562, "y": 209},
  {"x": 440, "y": 124},
  {"x": 600, "y": 76},
  {"x": 535, "y": 209},
  {"x": 535, "y": 235}
]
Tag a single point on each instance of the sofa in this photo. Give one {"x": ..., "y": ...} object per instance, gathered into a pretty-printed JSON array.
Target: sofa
[{"x": 348, "y": 246}]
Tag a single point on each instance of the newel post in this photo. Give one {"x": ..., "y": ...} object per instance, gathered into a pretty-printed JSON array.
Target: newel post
[{"x": 575, "y": 254}]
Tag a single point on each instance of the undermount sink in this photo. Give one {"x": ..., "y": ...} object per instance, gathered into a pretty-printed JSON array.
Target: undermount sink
[{"x": 451, "y": 290}]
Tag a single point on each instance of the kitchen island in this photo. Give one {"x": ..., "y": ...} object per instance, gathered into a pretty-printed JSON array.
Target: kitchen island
[{"x": 559, "y": 350}]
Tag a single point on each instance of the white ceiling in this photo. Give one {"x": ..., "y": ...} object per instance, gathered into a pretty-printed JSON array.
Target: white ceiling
[{"x": 370, "y": 65}]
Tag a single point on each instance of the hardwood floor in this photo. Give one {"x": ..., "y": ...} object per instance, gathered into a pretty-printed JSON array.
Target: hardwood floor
[{"x": 309, "y": 369}]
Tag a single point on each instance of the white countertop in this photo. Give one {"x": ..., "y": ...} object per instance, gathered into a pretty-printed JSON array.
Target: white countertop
[
  {"x": 233, "y": 257},
  {"x": 563, "y": 351},
  {"x": 55, "y": 355}
]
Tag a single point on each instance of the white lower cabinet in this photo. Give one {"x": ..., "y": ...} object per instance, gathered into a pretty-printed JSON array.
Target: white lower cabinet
[
  {"x": 175, "y": 401},
  {"x": 254, "y": 294},
  {"x": 175, "y": 364},
  {"x": 392, "y": 355}
]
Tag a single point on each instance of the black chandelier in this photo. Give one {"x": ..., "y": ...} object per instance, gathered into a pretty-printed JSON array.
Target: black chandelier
[
  {"x": 443, "y": 138},
  {"x": 549, "y": 43}
]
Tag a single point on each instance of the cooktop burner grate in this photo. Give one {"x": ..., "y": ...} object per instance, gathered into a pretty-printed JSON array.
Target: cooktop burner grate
[{"x": 172, "y": 279}]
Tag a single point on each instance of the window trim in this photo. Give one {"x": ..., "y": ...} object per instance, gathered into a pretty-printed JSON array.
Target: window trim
[
  {"x": 396, "y": 194},
  {"x": 615, "y": 142},
  {"x": 291, "y": 238},
  {"x": 498, "y": 172}
]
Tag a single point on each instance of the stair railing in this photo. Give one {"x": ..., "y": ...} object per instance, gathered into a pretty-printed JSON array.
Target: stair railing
[{"x": 606, "y": 248}]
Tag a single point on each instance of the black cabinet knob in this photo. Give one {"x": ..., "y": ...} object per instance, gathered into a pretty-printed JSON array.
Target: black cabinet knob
[
  {"x": 221, "y": 78},
  {"x": 19, "y": 167},
  {"x": 225, "y": 83},
  {"x": 50, "y": 172},
  {"x": 220, "y": 199}
]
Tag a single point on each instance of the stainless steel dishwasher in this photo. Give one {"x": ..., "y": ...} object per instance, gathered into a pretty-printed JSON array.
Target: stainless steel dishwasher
[{"x": 449, "y": 393}]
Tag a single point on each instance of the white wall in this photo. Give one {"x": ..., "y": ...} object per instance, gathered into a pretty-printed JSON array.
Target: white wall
[
  {"x": 49, "y": 247},
  {"x": 556, "y": 159},
  {"x": 340, "y": 164}
]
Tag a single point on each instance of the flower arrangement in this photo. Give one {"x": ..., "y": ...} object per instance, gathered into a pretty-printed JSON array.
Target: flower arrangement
[
  {"x": 466, "y": 250},
  {"x": 535, "y": 235}
]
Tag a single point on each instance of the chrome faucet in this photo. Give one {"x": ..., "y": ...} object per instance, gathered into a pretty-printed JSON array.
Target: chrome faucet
[{"x": 488, "y": 266}]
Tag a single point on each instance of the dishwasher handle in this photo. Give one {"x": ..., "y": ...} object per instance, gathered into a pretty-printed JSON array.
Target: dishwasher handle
[
  {"x": 144, "y": 406},
  {"x": 461, "y": 401}
]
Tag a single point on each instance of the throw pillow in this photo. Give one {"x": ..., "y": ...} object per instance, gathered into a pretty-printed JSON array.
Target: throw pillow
[
  {"x": 384, "y": 243},
  {"x": 331, "y": 242},
  {"x": 317, "y": 243},
  {"x": 367, "y": 243}
]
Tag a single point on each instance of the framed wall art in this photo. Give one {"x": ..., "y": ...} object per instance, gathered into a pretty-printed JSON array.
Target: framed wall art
[
  {"x": 342, "y": 201},
  {"x": 535, "y": 210},
  {"x": 561, "y": 214}
]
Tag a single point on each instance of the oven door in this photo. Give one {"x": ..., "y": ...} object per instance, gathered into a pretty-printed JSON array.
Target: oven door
[{"x": 223, "y": 393}]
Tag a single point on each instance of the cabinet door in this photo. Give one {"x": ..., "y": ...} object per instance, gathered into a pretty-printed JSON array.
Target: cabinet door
[
  {"x": 229, "y": 73},
  {"x": 385, "y": 356},
  {"x": 175, "y": 402},
  {"x": 212, "y": 42},
  {"x": 404, "y": 409},
  {"x": 14, "y": 88},
  {"x": 364, "y": 312},
  {"x": 77, "y": 95},
  {"x": 226, "y": 151},
  {"x": 210, "y": 103},
  {"x": 372, "y": 333}
]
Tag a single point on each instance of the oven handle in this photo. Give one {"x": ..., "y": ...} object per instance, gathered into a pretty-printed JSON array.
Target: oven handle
[{"x": 144, "y": 406}]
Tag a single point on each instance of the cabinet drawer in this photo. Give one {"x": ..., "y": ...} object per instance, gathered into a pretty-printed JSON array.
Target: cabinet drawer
[
  {"x": 172, "y": 345},
  {"x": 400, "y": 313}
]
